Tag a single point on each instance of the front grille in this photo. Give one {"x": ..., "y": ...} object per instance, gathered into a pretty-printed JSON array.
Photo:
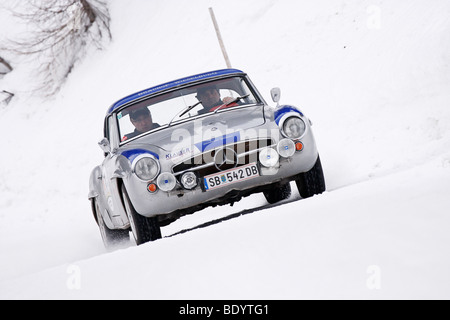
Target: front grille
[{"x": 203, "y": 164}]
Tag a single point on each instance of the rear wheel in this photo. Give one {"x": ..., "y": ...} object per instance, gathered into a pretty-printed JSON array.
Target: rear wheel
[
  {"x": 111, "y": 238},
  {"x": 144, "y": 229},
  {"x": 312, "y": 182},
  {"x": 278, "y": 192}
]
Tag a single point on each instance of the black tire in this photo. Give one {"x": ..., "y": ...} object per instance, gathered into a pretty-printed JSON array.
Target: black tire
[
  {"x": 144, "y": 229},
  {"x": 278, "y": 192},
  {"x": 312, "y": 182},
  {"x": 111, "y": 238}
]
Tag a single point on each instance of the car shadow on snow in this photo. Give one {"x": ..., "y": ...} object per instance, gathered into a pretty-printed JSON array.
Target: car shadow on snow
[{"x": 235, "y": 215}]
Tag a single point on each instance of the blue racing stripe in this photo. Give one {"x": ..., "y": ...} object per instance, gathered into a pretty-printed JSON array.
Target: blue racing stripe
[{"x": 218, "y": 142}]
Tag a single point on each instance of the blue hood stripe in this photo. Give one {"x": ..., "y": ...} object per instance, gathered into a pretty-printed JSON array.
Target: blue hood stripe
[
  {"x": 218, "y": 142},
  {"x": 133, "y": 154},
  {"x": 282, "y": 110}
]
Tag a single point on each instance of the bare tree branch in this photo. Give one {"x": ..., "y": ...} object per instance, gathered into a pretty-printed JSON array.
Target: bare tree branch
[
  {"x": 62, "y": 30},
  {"x": 5, "y": 67},
  {"x": 5, "y": 97}
]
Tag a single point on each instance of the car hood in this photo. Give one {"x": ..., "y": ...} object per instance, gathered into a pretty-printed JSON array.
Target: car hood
[{"x": 202, "y": 134}]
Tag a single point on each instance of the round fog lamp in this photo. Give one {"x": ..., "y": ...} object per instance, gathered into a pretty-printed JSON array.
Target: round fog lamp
[
  {"x": 189, "y": 180},
  {"x": 268, "y": 157},
  {"x": 286, "y": 148},
  {"x": 166, "y": 181}
]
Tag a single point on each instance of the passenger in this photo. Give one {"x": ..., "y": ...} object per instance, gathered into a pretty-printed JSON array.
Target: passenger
[
  {"x": 210, "y": 99},
  {"x": 142, "y": 121}
]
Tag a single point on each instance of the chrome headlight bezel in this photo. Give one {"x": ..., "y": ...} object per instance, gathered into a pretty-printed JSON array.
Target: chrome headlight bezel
[
  {"x": 295, "y": 120},
  {"x": 146, "y": 161}
]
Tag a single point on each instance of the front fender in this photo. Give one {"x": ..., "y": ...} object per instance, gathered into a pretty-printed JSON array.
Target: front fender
[
  {"x": 94, "y": 183},
  {"x": 122, "y": 168}
]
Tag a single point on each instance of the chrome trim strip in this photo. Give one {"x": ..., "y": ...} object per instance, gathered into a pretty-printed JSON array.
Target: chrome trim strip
[{"x": 242, "y": 155}]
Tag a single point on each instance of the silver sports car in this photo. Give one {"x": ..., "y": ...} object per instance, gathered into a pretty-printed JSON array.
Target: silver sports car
[{"x": 205, "y": 140}]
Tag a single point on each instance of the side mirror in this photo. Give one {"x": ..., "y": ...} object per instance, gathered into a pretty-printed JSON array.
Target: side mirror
[
  {"x": 105, "y": 146},
  {"x": 276, "y": 94}
]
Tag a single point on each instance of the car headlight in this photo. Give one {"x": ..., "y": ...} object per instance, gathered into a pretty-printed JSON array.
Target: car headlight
[
  {"x": 146, "y": 168},
  {"x": 294, "y": 128},
  {"x": 268, "y": 157}
]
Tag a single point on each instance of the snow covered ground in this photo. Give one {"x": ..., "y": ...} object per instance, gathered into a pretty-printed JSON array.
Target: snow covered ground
[{"x": 374, "y": 77}]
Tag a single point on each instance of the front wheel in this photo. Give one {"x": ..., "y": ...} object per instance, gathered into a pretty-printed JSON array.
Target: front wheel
[
  {"x": 278, "y": 192},
  {"x": 312, "y": 182},
  {"x": 144, "y": 229}
]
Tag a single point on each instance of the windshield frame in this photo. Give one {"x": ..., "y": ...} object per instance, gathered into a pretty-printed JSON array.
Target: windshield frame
[{"x": 249, "y": 85}]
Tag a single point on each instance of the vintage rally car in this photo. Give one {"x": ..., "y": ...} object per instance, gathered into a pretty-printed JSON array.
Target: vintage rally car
[{"x": 205, "y": 140}]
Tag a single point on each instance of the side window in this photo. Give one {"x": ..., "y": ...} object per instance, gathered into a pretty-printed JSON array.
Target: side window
[
  {"x": 112, "y": 133},
  {"x": 105, "y": 129}
]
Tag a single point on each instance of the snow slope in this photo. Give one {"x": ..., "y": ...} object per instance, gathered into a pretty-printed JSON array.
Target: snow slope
[
  {"x": 322, "y": 248},
  {"x": 372, "y": 75}
]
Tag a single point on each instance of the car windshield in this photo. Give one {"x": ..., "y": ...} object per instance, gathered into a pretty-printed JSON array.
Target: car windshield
[{"x": 181, "y": 104}]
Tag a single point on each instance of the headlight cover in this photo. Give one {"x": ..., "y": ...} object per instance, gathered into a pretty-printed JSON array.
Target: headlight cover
[
  {"x": 146, "y": 168},
  {"x": 286, "y": 148},
  {"x": 166, "y": 181},
  {"x": 293, "y": 128},
  {"x": 268, "y": 157}
]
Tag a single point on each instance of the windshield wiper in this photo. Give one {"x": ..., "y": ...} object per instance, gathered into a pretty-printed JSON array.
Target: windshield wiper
[
  {"x": 189, "y": 109},
  {"x": 184, "y": 112},
  {"x": 232, "y": 101}
]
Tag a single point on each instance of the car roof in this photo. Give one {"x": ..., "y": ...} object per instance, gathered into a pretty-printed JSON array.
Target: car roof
[{"x": 172, "y": 84}]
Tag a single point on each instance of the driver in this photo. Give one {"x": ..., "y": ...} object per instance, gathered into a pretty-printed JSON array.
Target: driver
[
  {"x": 210, "y": 99},
  {"x": 142, "y": 121}
]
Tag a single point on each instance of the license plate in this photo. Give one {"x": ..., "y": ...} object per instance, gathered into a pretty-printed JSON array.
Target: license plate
[{"x": 231, "y": 176}]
